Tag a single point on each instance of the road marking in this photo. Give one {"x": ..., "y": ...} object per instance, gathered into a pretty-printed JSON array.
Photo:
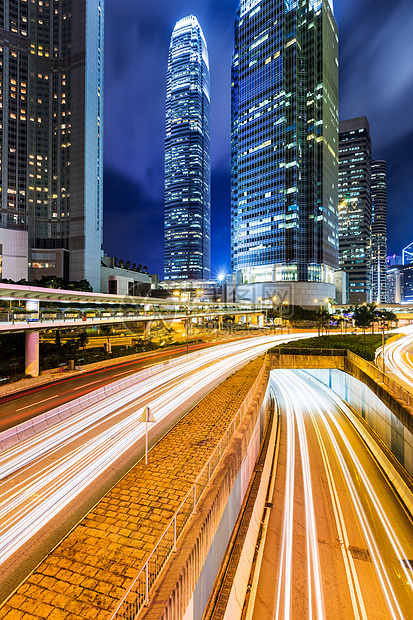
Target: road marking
[
  {"x": 82, "y": 387},
  {"x": 37, "y": 403}
]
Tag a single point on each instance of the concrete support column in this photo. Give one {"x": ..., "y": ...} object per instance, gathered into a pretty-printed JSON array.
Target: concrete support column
[
  {"x": 32, "y": 344},
  {"x": 32, "y": 354}
]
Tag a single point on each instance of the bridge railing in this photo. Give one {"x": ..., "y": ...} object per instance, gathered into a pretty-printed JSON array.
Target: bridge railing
[
  {"x": 381, "y": 377},
  {"x": 137, "y": 596}
]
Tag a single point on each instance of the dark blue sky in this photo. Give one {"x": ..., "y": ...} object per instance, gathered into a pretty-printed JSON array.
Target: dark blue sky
[{"x": 376, "y": 80}]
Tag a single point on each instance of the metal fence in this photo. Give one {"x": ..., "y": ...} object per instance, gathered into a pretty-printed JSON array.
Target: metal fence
[
  {"x": 308, "y": 351},
  {"x": 378, "y": 375},
  {"x": 138, "y": 593}
]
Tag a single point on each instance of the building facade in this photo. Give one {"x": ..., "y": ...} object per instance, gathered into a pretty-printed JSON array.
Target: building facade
[
  {"x": 355, "y": 209},
  {"x": 51, "y": 118},
  {"x": 379, "y": 231},
  {"x": 284, "y": 176},
  {"x": 187, "y": 238}
]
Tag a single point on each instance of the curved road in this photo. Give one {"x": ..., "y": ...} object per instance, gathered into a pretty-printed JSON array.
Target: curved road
[
  {"x": 45, "y": 476},
  {"x": 338, "y": 544},
  {"x": 398, "y": 359}
]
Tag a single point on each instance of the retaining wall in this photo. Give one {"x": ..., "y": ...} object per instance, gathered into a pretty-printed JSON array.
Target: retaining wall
[{"x": 184, "y": 588}]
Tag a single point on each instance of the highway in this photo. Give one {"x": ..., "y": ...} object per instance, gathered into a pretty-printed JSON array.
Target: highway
[
  {"x": 43, "y": 476},
  {"x": 21, "y": 406},
  {"x": 338, "y": 544}
]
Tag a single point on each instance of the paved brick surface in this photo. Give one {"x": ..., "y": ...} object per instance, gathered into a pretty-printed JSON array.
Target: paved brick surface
[{"x": 87, "y": 574}]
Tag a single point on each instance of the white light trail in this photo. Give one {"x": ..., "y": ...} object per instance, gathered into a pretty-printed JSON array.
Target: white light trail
[
  {"x": 322, "y": 405},
  {"x": 43, "y": 474}
]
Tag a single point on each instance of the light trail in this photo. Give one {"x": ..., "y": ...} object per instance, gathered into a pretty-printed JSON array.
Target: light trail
[
  {"x": 397, "y": 359},
  {"x": 322, "y": 407},
  {"x": 294, "y": 416},
  {"x": 43, "y": 474}
]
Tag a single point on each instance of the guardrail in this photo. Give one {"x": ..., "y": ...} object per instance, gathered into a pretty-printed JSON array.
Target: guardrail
[
  {"x": 307, "y": 351},
  {"x": 137, "y": 596},
  {"x": 14, "y": 435},
  {"x": 369, "y": 368},
  {"x": 45, "y": 319},
  {"x": 380, "y": 376}
]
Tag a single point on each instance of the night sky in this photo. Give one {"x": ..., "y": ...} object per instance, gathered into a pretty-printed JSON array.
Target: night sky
[{"x": 376, "y": 80}]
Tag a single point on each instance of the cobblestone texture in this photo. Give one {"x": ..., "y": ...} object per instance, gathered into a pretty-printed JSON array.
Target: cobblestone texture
[{"x": 88, "y": 573}]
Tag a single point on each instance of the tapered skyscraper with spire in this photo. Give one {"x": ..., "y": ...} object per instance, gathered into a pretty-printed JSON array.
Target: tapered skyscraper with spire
[{"x": 187, "y": 155}]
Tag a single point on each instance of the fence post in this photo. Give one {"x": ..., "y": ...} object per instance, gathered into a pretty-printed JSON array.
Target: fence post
[{"x": 147, "y": 583}]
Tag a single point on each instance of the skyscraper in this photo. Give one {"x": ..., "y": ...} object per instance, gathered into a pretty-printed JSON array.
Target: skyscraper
[
  {"x": 379, "y": 231},
  {"x": 355, "y": 207},
  {"x": 187, "y": 155},
  {"x": 284, "y": 177},
  {"x": 51, "y": 138}
]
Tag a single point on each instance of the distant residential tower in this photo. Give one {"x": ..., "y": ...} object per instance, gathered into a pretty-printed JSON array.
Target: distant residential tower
[
  {"x": 187, "y": 155},
  {"x": 284, "y": 178},
  {"x": 51, "y": 151}
]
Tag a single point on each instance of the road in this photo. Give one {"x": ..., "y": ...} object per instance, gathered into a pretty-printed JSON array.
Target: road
[
  {"x": 338, "y": 544},
  {"x": 45, "y": 477},
  {"x": 16, "y": 408},
  {"x": 398, "y": 359}
]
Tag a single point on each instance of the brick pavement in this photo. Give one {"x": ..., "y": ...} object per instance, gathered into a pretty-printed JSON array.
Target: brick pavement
[{"x": 87, "y": 574}]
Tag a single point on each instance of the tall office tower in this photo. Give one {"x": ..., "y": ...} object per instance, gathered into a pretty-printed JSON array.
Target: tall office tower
[
  {"x": 379, "y": 231},
  {"x": 355, "y": 207},
  {"x": 284, "y": 179},
  {"x": 187, "y": 155},
  {"x": 51, "y": 71}
]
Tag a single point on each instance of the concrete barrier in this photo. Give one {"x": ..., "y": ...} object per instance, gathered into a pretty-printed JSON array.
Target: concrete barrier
[{"x": 22, "y": 431}]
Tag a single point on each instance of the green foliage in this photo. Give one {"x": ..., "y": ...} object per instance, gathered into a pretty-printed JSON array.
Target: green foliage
[
  {"x": 364, "y": 346},
  {"x": 55, "y": 282}
]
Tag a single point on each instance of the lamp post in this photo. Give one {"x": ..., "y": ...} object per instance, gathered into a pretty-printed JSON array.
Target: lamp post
[
  {"x": 284, "y": 303},
  {"x": 382, "y": 347},
  {"x": 147, "y": 417}
]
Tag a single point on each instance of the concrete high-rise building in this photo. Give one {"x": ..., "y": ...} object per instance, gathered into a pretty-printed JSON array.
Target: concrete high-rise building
[
  {"x": 284, "y": 178},
  {"x": 379, "y": 231},
  {"x": 51, "y": 71},
  {"x": 355, "y": 211},
  {"x": 187, "y": 155}
]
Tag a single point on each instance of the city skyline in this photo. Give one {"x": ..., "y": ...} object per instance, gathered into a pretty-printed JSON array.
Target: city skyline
[{"x": 133, "y": 154}]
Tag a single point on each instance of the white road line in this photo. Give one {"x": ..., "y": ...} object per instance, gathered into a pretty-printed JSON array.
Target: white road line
[{"x": 38, "y": 402}]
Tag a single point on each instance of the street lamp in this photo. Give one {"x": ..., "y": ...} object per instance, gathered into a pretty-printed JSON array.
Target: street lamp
[{"x": 284, "y": 303}]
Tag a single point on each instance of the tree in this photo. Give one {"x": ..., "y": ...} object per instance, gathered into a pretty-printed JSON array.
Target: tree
[
  {"x": 83, "y": 339},
  {"x": 106, "y": 330},
  {"x": 363, "y": 316},
  {"x": 127, "y": 264}
]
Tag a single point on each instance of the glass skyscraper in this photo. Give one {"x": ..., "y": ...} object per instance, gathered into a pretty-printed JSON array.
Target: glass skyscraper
[
  {"x": 51, "y": 118},
  {"x": 284, "y": 178},
  {"x": 379, "y": 230},
  {"x": 355, "y": 211},
  {"x": 187, "y": 155}
]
